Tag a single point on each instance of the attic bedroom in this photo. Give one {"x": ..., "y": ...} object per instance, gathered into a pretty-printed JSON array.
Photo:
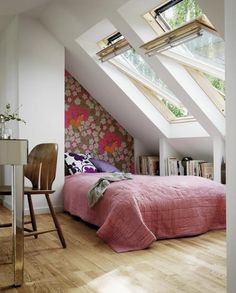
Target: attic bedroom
[{"x": 129, "y": 115}]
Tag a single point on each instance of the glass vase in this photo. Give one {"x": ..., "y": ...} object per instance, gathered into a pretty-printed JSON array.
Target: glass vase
[
  {"x": 2, "y": 128},
  {"x": 5, "y": 132}
]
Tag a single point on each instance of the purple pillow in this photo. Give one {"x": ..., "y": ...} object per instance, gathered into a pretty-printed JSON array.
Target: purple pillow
[
  {"x": 79, "y": 163},
  {"x": 103, "y": 166}
]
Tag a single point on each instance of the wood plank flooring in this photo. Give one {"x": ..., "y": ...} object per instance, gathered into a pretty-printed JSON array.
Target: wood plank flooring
[{"x": 194, "y": 264}]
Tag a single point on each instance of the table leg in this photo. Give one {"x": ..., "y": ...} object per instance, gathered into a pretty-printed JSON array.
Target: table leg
[{"x": 18, "y": 223}]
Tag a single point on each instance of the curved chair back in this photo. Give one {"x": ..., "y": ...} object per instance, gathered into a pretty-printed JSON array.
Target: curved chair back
[{"x": 41, "y": 167}]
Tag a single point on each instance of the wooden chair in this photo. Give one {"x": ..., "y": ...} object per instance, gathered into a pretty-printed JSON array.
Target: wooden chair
[{"x": 41, "y": 171}]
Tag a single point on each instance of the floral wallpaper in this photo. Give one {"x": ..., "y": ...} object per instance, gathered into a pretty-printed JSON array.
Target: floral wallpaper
[{"x": 90, "y": 129}]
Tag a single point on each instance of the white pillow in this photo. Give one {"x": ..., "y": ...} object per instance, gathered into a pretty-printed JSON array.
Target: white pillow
[{"x": 79, "y": 163}]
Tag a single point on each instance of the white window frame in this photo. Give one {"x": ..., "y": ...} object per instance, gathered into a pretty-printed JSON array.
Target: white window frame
[
  {"x": 152, "y": 92},
  {"x": 214, "y": 95}
]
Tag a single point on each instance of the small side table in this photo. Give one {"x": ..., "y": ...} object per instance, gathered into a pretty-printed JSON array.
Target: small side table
[{"x": 14, "y": 152}]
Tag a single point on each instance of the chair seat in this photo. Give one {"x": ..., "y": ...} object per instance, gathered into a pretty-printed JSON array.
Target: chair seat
[{"x": 6, "y": 190}]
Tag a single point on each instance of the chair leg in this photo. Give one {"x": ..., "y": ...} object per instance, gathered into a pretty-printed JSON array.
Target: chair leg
[
  {"x": 57, "y": 225},
  {"x": 32, "y": 214}
]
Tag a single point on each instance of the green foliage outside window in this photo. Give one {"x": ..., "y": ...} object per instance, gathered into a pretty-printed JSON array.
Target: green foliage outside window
[
  {"x": 217, "y": 83},
  {"x": 181, "y": 13},
  {"x": 178, "y": 112}
]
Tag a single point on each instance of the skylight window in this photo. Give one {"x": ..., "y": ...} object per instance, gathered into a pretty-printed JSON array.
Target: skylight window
[
  {"x": 172, "y": 14},
  {"x": 191, "y": 41},
  {"x": 144, "y": 78},
  {"x": 117, "y": 50},
  {"x": 213, "y": 87},
  {"x": 182, "y": 36}
]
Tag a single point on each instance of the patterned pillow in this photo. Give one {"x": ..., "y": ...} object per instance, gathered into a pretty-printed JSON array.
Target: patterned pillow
[{"x": 79, "y": 163}]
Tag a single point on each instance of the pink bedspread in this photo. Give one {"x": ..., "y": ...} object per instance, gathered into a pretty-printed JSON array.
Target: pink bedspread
[{"x": 134, "y": 213}]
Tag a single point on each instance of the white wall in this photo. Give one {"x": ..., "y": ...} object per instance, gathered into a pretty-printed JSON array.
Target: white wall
[
  {"x": 8, "y": 66},
  {"x": 8, "y": 77},
  {"x": 41, "y": 94},
  {"x": 219, "y": 155},
  {"x": 189, "y": 147},
  {"x": 230, "y": 37}
]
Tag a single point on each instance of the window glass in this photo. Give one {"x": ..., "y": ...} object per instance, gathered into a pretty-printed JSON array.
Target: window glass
[
  {"x": 134, "y": 62},
  {"x": 180, "y": 13},
  {"x": 218, "y": 83},
  {"x": 208, "y": 48},
  {"x": 213, "y": 87}
]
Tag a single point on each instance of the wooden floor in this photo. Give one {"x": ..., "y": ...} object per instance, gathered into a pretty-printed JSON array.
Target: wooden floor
[{"x": 195, "y": 264}]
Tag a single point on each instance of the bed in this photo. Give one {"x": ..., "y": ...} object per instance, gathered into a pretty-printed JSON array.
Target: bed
[{"x": 132, "y": 214}]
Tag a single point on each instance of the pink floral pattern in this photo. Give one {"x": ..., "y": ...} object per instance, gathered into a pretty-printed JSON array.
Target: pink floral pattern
[
  {"x": 75, "y": 116},
  {"x": 90, "y": 129},
  {"x": 109, "y": 143}
]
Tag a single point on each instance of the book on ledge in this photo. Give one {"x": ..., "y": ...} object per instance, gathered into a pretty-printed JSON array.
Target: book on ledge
[
  {"x": 174, "y": 167},
  {"x": 194, "y": 167},
  {"x": 207, "y": 170},
  {"x": 149, "y": 165}
]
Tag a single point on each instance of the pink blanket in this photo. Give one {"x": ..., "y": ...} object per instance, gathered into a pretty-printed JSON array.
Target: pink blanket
[{"x": 134, "y": 213}]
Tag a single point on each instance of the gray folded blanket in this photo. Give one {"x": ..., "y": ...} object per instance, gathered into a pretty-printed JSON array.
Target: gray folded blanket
[{"x": 97, "y": 190}]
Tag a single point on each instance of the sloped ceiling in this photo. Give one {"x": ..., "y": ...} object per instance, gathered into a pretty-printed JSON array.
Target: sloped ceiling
[
  {"x": 10, "y": 8},
  {"x": 215, "y": 10}
]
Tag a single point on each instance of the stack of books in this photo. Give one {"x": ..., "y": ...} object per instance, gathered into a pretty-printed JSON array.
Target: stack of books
[
  {"x": 149, "y": 165},
  {"x": 191, "y": 168}
]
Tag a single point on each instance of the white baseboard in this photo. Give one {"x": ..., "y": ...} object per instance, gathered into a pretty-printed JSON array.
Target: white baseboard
[{"x": 38, "y": 210}]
